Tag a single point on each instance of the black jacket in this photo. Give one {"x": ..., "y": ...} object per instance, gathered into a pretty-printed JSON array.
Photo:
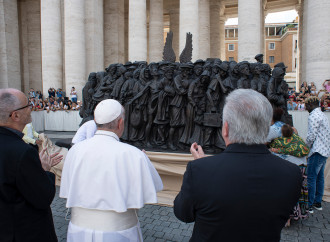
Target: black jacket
[
  {"x": 26, "y": 192},
  {"x": 242, "y": 194}
]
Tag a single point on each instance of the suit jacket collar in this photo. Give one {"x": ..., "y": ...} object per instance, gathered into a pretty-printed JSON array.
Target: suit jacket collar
[
  {"x": 11, "y": 132},
  {"x": 244, "y": 148}
]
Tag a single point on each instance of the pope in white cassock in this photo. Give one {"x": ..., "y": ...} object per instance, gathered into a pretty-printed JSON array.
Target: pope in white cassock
[{"x": 106, "y": 181}]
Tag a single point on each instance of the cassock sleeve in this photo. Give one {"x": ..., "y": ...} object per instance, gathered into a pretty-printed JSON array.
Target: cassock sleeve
[
  {"x": 36, "y": 185},
  {"x": 184, "y": 201}
]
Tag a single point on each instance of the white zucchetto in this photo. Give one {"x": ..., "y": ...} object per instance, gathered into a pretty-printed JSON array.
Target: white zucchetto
[{"x": 107, "y": 111}]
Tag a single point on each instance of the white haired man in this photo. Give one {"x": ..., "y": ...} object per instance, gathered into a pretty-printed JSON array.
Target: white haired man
[
  {"x": 106, "y": 181},
  {"x": 27, "y": 188},
  {"x": 244, "y": 187}
]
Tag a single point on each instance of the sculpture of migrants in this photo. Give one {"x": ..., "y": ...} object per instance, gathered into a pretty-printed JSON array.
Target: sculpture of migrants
[{"x": 170, "y": 105}]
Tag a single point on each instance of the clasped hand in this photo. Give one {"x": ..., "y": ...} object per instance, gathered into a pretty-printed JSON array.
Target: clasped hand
[{"x": 48, "y": 161}]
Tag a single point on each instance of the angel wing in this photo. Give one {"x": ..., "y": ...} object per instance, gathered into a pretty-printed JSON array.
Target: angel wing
[
  {"x": 168, "y": 52},
  {"x": 186, "y": 53}
]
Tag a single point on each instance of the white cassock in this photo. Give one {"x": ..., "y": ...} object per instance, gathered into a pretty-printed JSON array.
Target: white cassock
[
  {"x": 86, "y": 131},
  {"x": 105, "y": 181}
]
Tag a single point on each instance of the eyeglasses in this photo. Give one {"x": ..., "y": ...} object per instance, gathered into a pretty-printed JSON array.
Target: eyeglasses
[{"x": 29, "y": 105}]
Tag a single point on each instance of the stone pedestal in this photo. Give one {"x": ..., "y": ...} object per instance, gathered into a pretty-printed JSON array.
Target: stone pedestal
[
  {"x": 189, "y": 22},
  {"x": 249, "y": 29},
  {"x": 75, "y": 49},
  {"x": 156, "y": 31},
  {"x": 51, "y": 42},
  {"x": 137, "y": 30}
]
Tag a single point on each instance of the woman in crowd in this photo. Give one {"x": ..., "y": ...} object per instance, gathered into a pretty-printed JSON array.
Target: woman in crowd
[
  {"x": 293, "y": 148},
  {"x": 73, "y": 94}
]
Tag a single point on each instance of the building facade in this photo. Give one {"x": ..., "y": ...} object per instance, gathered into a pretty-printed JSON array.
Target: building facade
[
  {"x": 280, "y": 45},
  {"x": 57, "y": 43}
]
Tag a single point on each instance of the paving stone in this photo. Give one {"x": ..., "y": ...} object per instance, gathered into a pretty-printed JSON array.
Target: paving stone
[{"x": 160, "y": 224}]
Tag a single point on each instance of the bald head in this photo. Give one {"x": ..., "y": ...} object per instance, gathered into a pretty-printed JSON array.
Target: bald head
[{"x": 10, "y": 99}]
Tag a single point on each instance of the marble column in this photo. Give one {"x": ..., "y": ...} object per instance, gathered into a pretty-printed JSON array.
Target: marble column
[
  {"x": 114, "y": 32},
  {"x": 222, "y": 37},
  {"x": 94, "y": 35},
  {"x": 317, "y": 39},
  {"x": 75, "y": 49},
  {"x": 189, "y": 22},
  {"x": 299, "y": 9},
  {"x": 215, "y": 29},
  {"x": 156, "y": 31},
  {"x": 204, "y": 29},
  {"x": 137, "y": 30},
  {"x": 34, "y": 44},
  {"x": 249, "y": 29},
  {"x": 51, "y": 43},
  {"x": 10, "y": 74},
  {"x": 175, "y": 26}
]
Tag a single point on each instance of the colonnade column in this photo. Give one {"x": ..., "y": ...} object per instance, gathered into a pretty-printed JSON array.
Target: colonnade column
[
  {"x": 114, "y": 32},
  {"x": 51, "y": 44},
  {"x": 175, "y": 26},
  {"x": 249, "y": 29},
  {"x": 215, "y": 29},
  {"x": 204, "y": 29},
  {"x": 317, "y": 59},
  {"x": 137, "y": 28},
  {"x": 94, "y": 35},
  {"x": 156, "y": 31},
  {"x": 222, "y": 37},
  {"x": 189, "y": 20},
  {"x": 10, "y": 75},
  {"x": 299, "y": 9},
  {"x": 75, "y": 50}
]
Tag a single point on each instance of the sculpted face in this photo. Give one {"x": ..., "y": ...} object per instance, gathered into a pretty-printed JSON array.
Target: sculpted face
[
  {"x": 198, "y": 69},
  {"x": 169, "y": 74}
]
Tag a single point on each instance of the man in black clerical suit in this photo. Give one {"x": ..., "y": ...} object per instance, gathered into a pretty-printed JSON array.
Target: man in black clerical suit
[
  {"x": 245, "y": 193},
  {"x": 27, "y": 188}
]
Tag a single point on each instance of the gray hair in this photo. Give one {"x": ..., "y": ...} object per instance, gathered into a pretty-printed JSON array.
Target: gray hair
[
  {"x": 114, "y": 123},
  {"x": 248, "y": 114},
  {"x": 8, "y": 103}
]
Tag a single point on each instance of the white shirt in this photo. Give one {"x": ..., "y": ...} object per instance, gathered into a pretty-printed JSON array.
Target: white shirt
[
  {"x": 318, "y": 136},
  {"x": 104, "y": 174},
  {"x": 86, "y": 131}
]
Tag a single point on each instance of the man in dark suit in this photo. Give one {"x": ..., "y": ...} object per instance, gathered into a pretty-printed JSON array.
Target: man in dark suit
[
  {"x": 245, "y": 193},
  {"x": 27, "y": 188}
]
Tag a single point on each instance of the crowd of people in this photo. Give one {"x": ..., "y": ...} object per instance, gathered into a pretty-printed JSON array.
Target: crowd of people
[
  {"x": 297, "y": 98},
  {"x": 56, "y": 100}
]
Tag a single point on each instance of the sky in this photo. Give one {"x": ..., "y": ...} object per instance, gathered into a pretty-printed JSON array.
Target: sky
[{"x": 279, "y": 17}]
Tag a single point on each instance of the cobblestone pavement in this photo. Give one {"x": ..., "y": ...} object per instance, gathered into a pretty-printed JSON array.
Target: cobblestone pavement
[{"x": 158, "y": 223}]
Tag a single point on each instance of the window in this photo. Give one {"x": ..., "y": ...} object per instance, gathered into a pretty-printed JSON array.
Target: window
[
  {"x": 231, "y": 47},
  {"x": 272, "y": 46},
  {"x": 271, "y": 59},
  {"x": 231, "y": 59}
]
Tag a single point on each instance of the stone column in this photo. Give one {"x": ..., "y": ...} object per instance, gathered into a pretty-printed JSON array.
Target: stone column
[
  {"x": 299, "y": 9},
  {"x": 114, "y": 32},
  {"x": 10, "y": 74},
  {"x": 94, "y": 35},
  {"x": 249, "y": 29},
  {"x": 175, "y": 26},
  {"x": 156, "y": 31},
  {"x": 34, "y": 44},
  {"x": 75, "y": 49},
  {"x": 137, "y": 30},
  {"x": 51, "y": 43},
  {"x": 222, "y": 37},
  {"x": 214, "y": 29},
  {"x": 189, "y": 22},
  {"x": 204, "y": 29},
  {"x": 317, "y": 49}
]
